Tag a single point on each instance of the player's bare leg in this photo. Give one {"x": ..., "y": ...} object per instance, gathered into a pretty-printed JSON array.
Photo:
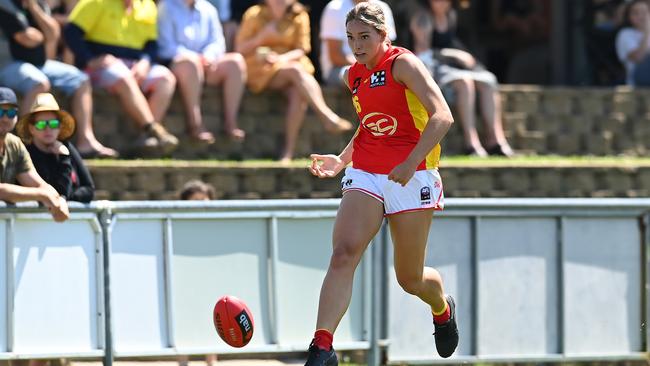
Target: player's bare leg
[
  {"x": 410, "y": 231},
  {"x": 357, "y": 222}
]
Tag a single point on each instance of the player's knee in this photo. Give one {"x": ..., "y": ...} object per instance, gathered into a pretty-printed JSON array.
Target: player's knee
[
  {"x": 410, "y": 284},
  {"x": 343, "y": 257}
]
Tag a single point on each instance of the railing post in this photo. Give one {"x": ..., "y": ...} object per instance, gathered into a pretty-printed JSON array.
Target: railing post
[
  {"x": 373, "y": 352},
  {"x": 105, "y": 219},
  {"x": 377, "y": 284},
  {"x": 646, "y": 280}
]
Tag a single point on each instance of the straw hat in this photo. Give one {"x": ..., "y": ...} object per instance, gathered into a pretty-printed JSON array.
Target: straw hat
[{"x": 46, "y": 102}]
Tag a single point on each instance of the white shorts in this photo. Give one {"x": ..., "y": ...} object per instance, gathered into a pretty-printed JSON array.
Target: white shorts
[{"x": 422, "y": 192}]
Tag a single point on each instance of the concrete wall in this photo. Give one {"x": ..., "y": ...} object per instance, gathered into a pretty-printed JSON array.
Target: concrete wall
[
  {"x": 143, "y": 180},
  {"x": 563, "y": 121}
]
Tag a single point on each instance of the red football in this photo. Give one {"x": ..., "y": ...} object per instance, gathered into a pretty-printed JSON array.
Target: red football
[{"x": 233, "y": 321}]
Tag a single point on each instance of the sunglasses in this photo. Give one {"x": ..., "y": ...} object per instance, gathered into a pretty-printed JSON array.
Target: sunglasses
[
  {"x": 51, "y": 123},
  {"x": 10, "y": 113}
]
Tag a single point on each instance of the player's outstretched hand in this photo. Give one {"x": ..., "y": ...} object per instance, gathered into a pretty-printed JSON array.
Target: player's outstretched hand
[
  {"x": 325, "y": 166},
  {"x": 402, "y": 173}
]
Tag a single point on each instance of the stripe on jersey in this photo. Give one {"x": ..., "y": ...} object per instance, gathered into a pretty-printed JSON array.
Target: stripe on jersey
[{"x": 420, "y": 119}]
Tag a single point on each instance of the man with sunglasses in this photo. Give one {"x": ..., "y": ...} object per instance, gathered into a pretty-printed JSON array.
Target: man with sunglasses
[{"x": 19, "y": 181}]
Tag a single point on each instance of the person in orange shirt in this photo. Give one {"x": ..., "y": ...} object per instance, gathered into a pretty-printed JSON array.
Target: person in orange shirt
[
  {"x": 274, "y": 39},
  {"x": 394, "y": 156}
]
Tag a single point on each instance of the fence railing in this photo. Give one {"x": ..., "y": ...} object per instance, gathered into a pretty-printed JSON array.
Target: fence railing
[{"x": 534, "y": 279}]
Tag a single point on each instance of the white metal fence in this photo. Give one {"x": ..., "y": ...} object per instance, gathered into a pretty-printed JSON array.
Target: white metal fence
[{"x": 535, "y": 279}]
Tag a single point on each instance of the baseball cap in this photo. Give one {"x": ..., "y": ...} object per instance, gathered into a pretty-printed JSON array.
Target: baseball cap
[{"x": 7, "y": 96}]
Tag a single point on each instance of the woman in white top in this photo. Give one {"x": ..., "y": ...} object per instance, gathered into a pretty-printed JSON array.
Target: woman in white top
[{"x": 633, "y": 41}]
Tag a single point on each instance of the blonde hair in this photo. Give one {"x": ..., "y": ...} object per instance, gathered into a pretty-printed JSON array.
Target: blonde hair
[{"x": 369, "y": 14}]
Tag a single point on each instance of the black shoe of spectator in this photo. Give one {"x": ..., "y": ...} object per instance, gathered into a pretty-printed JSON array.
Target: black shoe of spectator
[{"x": 499, "y": 150}]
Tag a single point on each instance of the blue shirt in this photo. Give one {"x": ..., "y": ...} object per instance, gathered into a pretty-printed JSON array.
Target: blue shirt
[{"x": 189, "y": 29}]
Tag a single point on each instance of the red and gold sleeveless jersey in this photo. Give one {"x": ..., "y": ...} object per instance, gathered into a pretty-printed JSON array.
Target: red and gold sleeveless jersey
[{"x": 391, "y": 117}]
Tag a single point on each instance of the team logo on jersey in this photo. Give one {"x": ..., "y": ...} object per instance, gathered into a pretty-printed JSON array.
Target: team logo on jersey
[
  {"x": 425, "y": 195},
  {"x": 355, "y": 85},
  {"x": 378, "y": 78},
  {"x": 379, "y": 124}
]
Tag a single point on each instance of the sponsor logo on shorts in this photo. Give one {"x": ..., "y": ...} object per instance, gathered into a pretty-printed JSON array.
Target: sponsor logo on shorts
[
  {"x": 437, "y": 185},
  {"x": 346, "y": 183},
  {"x": 378, "y": 78},
  {"x": 425, "y": 195}
]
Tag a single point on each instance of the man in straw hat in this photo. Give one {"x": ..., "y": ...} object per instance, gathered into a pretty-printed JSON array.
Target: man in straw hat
[
  {"x": 19, "y": 181},
  {"x": 46, "y": 131}
]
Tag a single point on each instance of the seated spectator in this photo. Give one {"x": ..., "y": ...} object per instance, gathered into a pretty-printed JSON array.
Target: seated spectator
[
  {"x": 230, "y": 14},
  {"x": 115, "y": 42},
  {"x": 45, "y": 130},
  {"x": 197, "y": 56},
  {"x": 60, "y": 11},
  {"x": 197, "y": 190},
  {"x": 274, "y": 39},
  {"x": 19, "y": 181},
  {"x": 33, "y": 38},
  {"x": 460, "y": 76},
  {"x": 335, "y": 54},
  {"x": 604, "y": 21},
  {"x": 633, "y": 43},
  {"x": 525, "y": 24}
]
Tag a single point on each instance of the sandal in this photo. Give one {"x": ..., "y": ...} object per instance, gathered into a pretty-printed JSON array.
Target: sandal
[
  {"x": 204, "y": 137},
  {"x": 105, "y": 153},
  {"x": 235, "y": 134},
  {"x": 500, "y": 150}
]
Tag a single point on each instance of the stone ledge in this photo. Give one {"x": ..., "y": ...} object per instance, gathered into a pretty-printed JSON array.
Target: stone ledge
[
  {"x": 537, "y": 120},
  {"x": 155, "y": 180}
]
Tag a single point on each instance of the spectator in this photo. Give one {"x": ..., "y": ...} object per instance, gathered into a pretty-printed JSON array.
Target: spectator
[
  {"x": 230, "y": 13},
  {"x": 274, "y": 39},
  {"x": 19, "y": 181},
  {"x": 460, "y": 76},
  {"x": 198, "y": 55},
  {"x": 335, "y": 54},
  {"x": 315, "y": 10},
  {"x": 199, "y": 191},
  {"x": 633, "y": 41},
  {"x": 46, "y": 130},
  {"x": 526, "y": 25},
  {"x": 115, "y": 42},
  {"x": 33, "y": 38},
  {"x": 605, "y": 18},
  {"x": 60, "y": 11}
]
